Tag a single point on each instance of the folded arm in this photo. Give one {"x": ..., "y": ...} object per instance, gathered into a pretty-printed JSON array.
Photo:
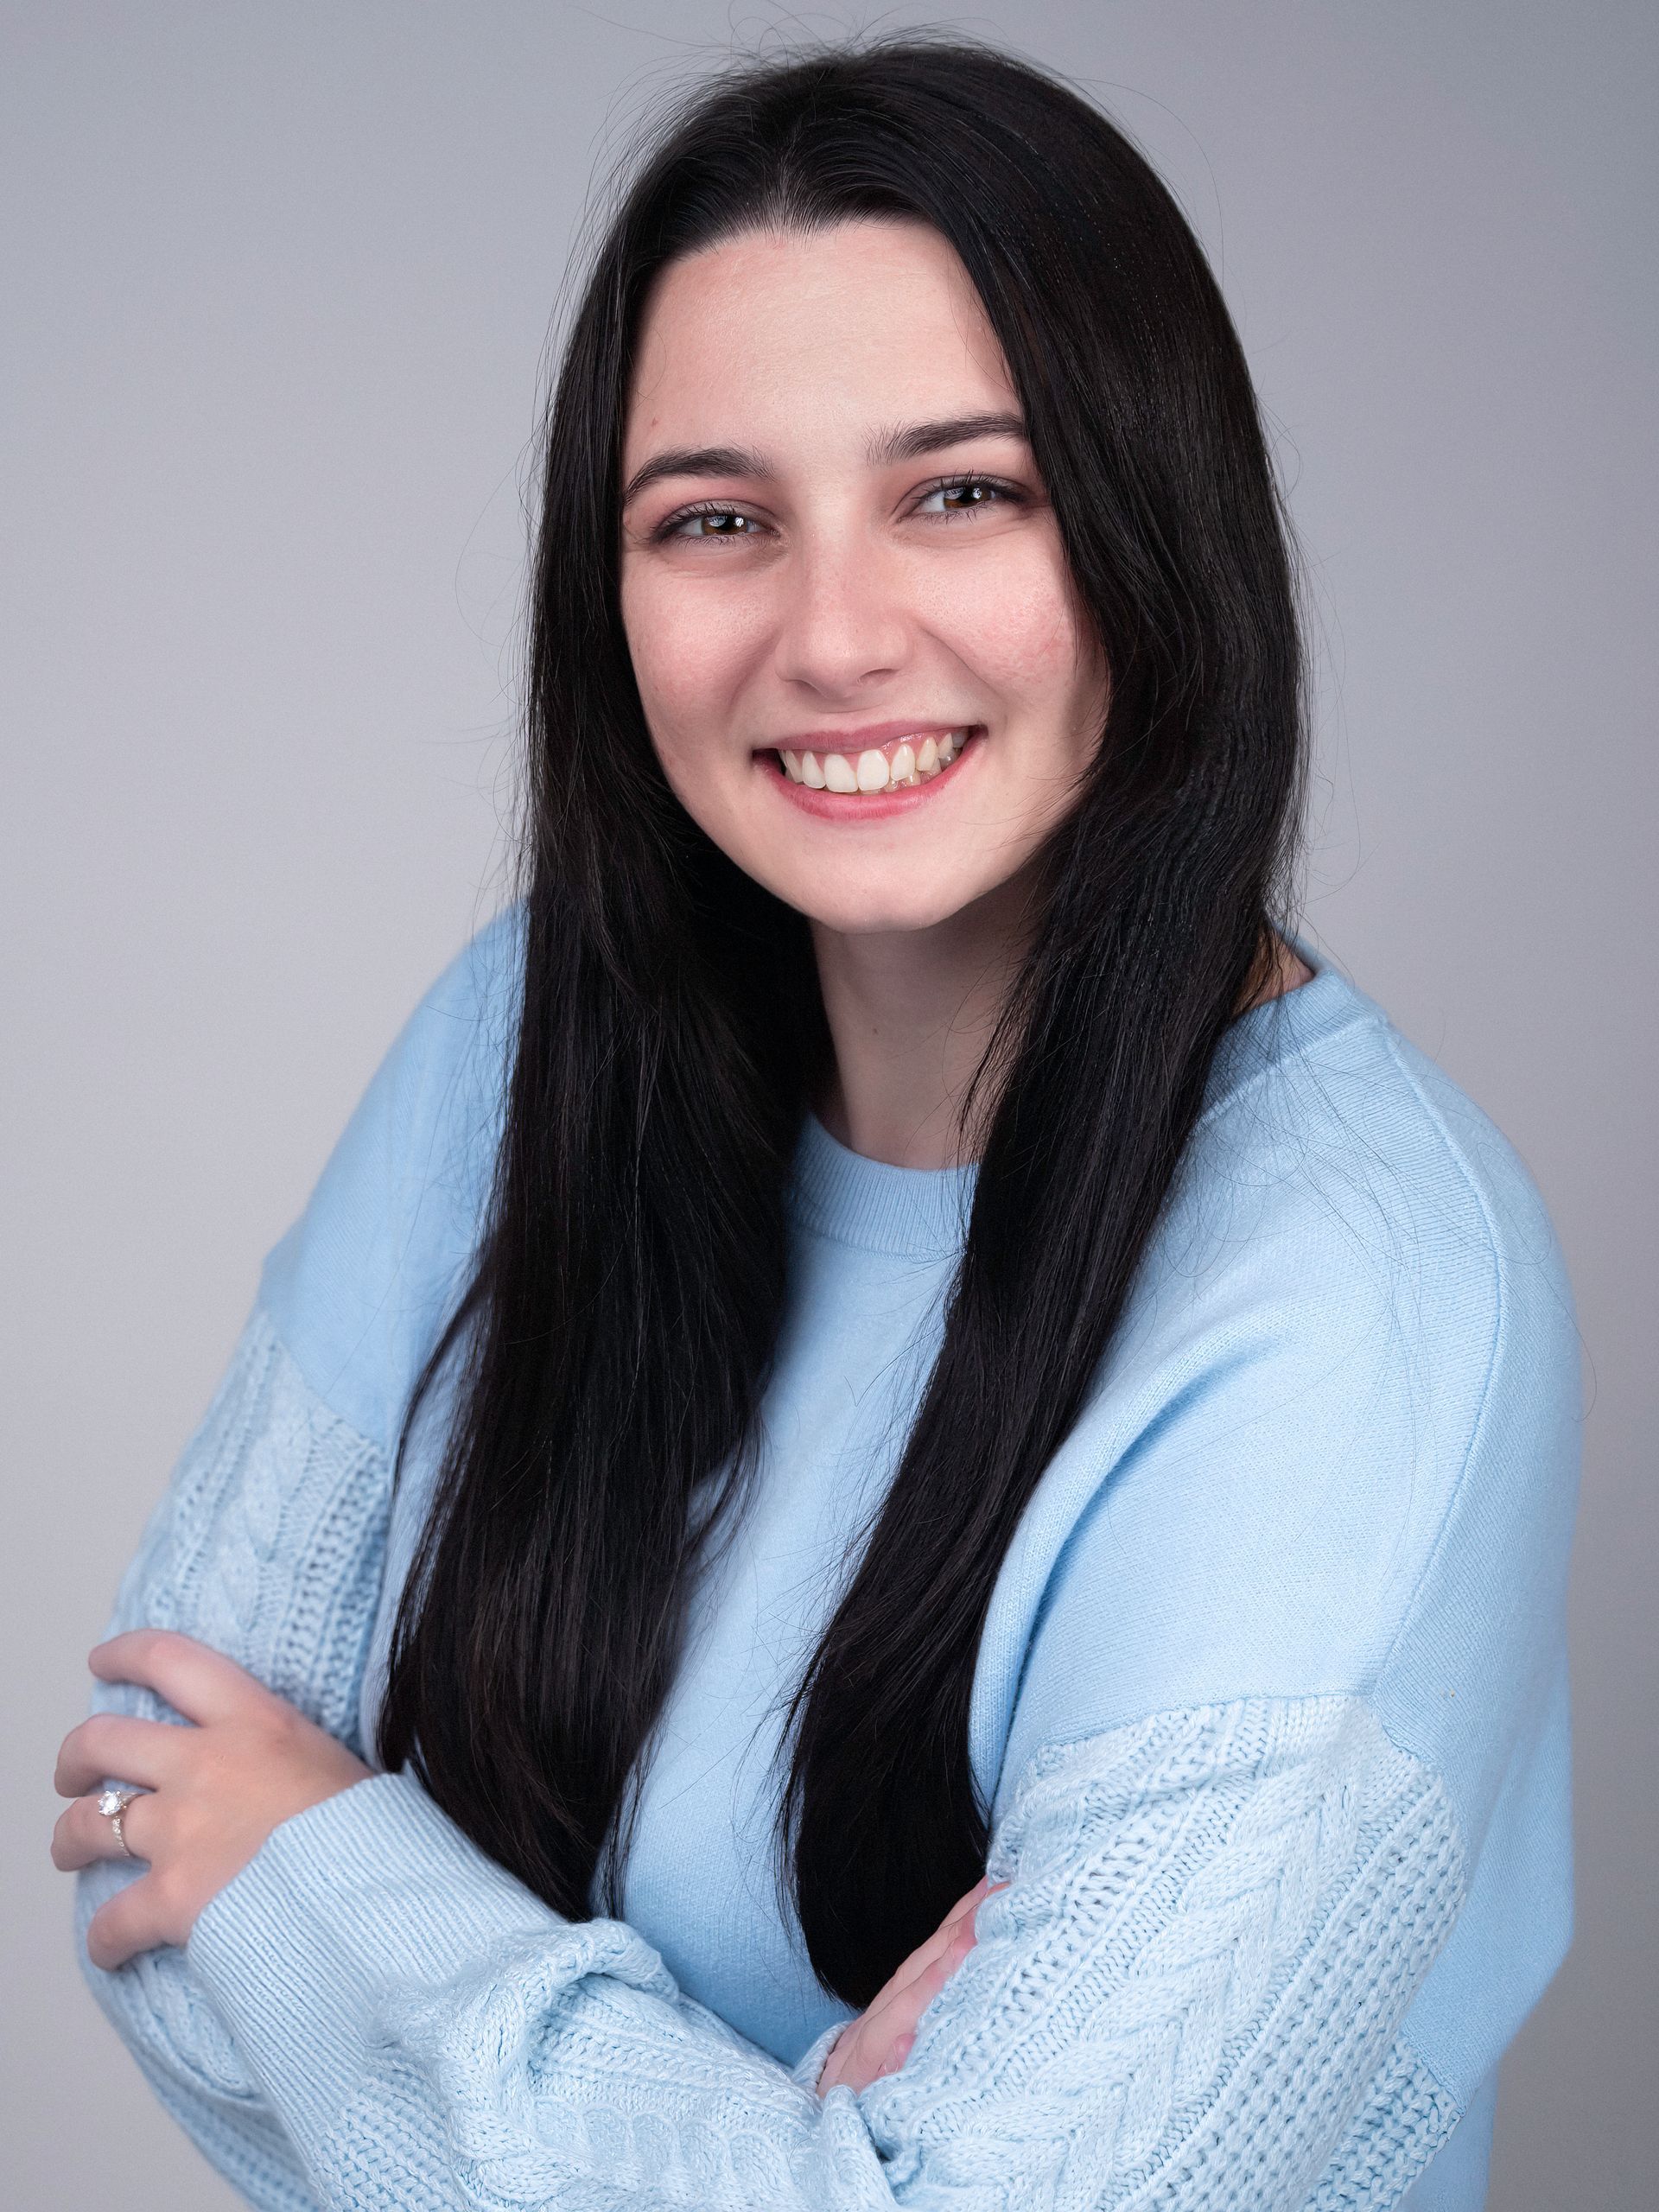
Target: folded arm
[
  {"x": 267, "y": 1546},
  {"x": 1189, "y": 1993}
]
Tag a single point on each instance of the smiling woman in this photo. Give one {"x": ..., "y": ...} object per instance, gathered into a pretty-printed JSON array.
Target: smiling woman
[
  {"x": 895, "y": 1529},
  {"x": 867, "y": 671}
]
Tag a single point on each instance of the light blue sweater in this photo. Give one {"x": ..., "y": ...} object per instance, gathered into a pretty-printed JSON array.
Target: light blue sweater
[{"x": 1271, "y": 1707}]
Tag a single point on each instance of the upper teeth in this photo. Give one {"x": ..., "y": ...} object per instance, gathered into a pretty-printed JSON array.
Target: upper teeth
[{"x": 913, "y": 761}]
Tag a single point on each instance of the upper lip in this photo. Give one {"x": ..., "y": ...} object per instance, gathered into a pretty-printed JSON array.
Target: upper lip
[{"x": 857, "y": 740}]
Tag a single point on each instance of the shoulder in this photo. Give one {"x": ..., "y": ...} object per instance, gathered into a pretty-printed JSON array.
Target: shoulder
[
  {"x": 362, "y": 1284},
  {"x": 1348, "y": 1381},
  {"x": 1331, "y": 1135},
  {"x": 1346, "y": 1209}
]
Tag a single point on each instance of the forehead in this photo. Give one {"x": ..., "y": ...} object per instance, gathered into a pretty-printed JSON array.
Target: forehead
[{"x": 783, "y": 339}]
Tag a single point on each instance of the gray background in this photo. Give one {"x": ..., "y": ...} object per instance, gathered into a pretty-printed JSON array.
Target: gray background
[{"x": 276, "y": 284}]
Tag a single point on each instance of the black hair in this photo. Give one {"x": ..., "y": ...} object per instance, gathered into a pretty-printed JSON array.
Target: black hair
[{"x": 619, "y": 1330}]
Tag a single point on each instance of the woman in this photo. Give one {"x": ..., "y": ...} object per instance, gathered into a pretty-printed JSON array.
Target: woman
[{"x": 895, "y": 1528}]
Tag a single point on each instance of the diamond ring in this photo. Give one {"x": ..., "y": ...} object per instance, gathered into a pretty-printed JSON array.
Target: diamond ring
[{"x": 113, "y": 1804}]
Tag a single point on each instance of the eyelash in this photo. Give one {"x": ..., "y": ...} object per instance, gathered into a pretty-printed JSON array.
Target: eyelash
[{"x": 1008, "y": 493}]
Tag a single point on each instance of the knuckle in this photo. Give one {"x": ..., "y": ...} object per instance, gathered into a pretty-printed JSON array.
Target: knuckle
[
  {"x": 279, "y": 1727},
  {"x": 97, "y": 1737},
  {"x": 165, "y": 1888},
  {"x": 78, "y": 1751},
  {"x": 103, "y": 1936}
]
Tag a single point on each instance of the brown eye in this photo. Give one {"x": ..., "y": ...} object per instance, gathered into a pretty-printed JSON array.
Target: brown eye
[
  {"x": 721, "y": 524},
  {"x": 966, "y": 495}
]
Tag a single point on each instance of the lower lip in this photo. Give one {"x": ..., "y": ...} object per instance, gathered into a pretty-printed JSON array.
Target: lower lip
[{"x": 865, "y": 806}]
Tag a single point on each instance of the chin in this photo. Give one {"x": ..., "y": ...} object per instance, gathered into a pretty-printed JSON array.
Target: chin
[{"x": 899, "y": 909}]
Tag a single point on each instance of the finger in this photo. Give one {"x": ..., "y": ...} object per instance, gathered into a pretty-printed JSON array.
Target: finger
[
  {"x": 881, "y": 2040},
  {"x": 901, "y": 2005},
  {"x": 83, "y": 1835},
  {"x": 968, "y": 1900},
  {"x": 918, "y": 1963},
  {"x": 967, "y": 1908},
  {"x": 925, "y": 1953},
  {"x": 113, "y": 1744},
  {"x": 918, "y": 1993},
  {"x": 196, "y": 1681},
  {"x": 898, "y": 2052},
  {"x": 126, "y": 1924},
  {"x": 907, "y": 2008}
]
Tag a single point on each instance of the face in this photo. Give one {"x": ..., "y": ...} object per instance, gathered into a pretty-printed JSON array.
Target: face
[{"x": 861, "y": 660}]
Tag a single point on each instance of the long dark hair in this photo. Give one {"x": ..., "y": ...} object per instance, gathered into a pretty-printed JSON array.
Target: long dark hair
[{"x": 619, "y": 1332}]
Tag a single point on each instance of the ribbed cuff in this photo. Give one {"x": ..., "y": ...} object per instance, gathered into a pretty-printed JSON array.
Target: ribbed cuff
[
  {"x": 374, "y": 1893},
  {"x": 807, "y": 2066}
]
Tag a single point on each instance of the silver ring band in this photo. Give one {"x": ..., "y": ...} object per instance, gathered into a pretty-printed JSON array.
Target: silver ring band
[{"x": 113, "y": 1805}]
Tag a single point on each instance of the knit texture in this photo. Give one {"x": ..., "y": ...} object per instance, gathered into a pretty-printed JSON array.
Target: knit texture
[
  {"x": 1276, "y": 1651},
  {"x": 1189, "y": 1992},
  {"x": 1190, "y": 1988},
  {"x": 270, "y": 1482}
]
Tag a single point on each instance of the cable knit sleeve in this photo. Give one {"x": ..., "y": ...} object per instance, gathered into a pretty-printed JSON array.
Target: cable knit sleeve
[
  {"x": 270, "y": 1542},
  {"x": 1188, "y": 1996},
  {"x": 266, "y": 1546}
]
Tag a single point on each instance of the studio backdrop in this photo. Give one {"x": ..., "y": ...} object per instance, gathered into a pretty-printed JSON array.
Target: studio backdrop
[{"x": 278, "y": 284}]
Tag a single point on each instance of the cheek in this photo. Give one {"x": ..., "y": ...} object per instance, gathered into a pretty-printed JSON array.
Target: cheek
[
  {"x": 690, "y": 646},
  {"x": 1016, "y": 624}
]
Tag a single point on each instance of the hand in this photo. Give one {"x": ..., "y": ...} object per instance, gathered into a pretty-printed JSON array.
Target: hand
[
  {"x": 216, "y": 1790},
  {"x": 877, "y": 2041}
]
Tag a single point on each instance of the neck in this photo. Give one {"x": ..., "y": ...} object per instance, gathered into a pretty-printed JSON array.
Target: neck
[{"x": 912, "y": 1011}]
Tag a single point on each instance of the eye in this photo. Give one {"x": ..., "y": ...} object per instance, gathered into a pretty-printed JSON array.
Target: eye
[
  {"x": 966, "y": 495},
  {"x": 707, "y": 522}
]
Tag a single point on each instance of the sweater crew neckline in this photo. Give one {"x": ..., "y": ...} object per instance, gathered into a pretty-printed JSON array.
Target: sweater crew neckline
[
  {"x": 909, "y": 1213},
  {"x": 921, "y": 1213}
]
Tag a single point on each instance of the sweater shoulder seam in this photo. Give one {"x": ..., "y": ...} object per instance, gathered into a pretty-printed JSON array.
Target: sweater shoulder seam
[{"x": 1455, "y": 1488}]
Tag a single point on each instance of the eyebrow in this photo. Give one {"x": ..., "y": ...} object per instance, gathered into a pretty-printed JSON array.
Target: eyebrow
[{"x": 909, "y": 442}]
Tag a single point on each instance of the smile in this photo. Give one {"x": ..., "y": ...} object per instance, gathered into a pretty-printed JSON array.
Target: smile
[
  {"x": 852, "y": 779},
  {"x": 899, "y": 764}
]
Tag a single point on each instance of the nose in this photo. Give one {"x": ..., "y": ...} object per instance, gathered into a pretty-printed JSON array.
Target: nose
[{"x": 842, "y": 624}]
